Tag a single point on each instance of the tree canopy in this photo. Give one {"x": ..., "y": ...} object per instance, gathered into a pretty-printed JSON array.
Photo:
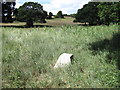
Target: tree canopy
[
  {"x": 50, "y": 15},
  {"x": 7, "y": 10},
  {"x": 99, "y": 13},
  {"x": 109, "y": 12},
  {"x": 31, "y": 11},
  {"x": 59, "y": 15},
  {"x": 89, "y": 13}
]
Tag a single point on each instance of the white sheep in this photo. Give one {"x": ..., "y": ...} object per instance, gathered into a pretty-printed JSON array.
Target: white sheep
[{"x": 63, "y": 60}]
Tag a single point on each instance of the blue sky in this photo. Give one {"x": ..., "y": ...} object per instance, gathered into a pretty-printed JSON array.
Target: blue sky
[{"x": 66, "y": 6}]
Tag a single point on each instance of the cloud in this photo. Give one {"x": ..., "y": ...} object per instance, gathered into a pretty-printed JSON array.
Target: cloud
[
  {"x": 18, "y": 3},
  {"x": 66, "y": 6},
  {"x": 21, "y": 2}
]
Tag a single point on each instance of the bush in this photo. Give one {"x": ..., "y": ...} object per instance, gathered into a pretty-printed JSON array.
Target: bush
[{"x": 59, "y": 15}]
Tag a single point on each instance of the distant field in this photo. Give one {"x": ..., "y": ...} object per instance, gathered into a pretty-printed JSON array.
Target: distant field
[
  {"x": 50, "y": 22},
  {"x": 29, "y": 55}
]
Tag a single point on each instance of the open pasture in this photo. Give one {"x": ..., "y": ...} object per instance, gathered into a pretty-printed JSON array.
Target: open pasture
[{"x": 29, "y": 54}]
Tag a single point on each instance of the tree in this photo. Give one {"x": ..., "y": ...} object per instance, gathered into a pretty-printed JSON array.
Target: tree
[
  {"x": 109, "y": 12},
  {"x": 89, "y": 13},
  {"x": 73, "y": 15},
  {"x": 0, "y": 11},
  {"x": 50, "y": 15},
  {"x": 43, "y": 17},
  {"x": 8, "y": 7},
  {"x": 15, "y": 12},
  {"x": 31, "y": 11},
  {"x": 59, "y": 15},
  {"x": 66, "y": 15}
]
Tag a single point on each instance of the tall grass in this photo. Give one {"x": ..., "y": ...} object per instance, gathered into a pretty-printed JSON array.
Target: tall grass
[
  {"x": 29, "y": 55},
  {"x": 0, "y": 59}
]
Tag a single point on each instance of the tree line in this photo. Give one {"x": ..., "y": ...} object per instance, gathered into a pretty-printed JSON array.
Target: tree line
[
  {"x": 97, "y": 13},
  {"x": 28, "y": 12},
  {"x": 94, "y": 13}
]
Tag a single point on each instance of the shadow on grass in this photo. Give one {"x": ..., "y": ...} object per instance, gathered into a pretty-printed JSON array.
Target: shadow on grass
[
  {"x": 23, "y": 26},
  {"x": 112, "y": 46}
]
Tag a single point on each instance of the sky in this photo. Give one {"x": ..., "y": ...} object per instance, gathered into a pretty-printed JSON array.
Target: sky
[{"x": 66, "y": 6}]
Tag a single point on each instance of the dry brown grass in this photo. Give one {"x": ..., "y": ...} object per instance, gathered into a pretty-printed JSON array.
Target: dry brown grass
[{"x": 50, "y": 22}]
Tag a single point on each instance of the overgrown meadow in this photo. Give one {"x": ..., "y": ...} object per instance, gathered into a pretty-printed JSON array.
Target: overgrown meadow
[{"x": 29, "y": 54}]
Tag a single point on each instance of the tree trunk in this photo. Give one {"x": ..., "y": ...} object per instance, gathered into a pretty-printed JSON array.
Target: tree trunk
[{"x": 29, "y": 22}]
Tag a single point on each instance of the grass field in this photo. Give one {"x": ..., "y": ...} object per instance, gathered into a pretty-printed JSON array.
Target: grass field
[
  {"x": 29, "y": 55},
  {"x": 50, "y": 23}
]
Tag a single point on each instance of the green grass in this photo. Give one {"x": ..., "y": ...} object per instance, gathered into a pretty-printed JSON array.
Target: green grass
[{"x": 29, "y": 55}]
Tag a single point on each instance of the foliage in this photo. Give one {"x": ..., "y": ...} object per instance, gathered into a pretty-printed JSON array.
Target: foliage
[
  {"x": 99, "y": 13},
  {"x": 31, "y": 11},
  {"x": 15, "y": 12},
  {"x": 73, "y": 15},
  {"x": 29, "y": 55},
  {"x": 65, "y": 15},
  {"x": 59, "y": 15},
  {"x": 109, "y": 12},
  {"x": 50, "y": 15},
  {"x": 7, "y": 10},
  {"x": 89, "y": 13}
]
